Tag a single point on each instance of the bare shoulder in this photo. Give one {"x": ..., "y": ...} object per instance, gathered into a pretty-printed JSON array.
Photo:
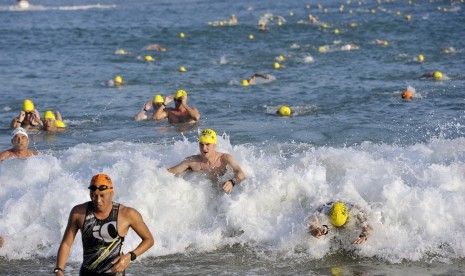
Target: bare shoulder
[
  {"x": 129, "y": 213},
  {"x": 79, "y": 209},
  {"x": 6, "y": 154},
  {"x": 192, "y": 158}
]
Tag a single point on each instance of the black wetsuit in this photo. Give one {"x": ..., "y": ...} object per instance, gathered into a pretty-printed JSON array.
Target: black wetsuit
[{"x": 101, "y": 242}]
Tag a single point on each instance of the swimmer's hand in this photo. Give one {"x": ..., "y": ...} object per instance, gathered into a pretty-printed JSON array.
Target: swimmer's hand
[
  {"x": 22, "y": 114},
  {"x": 120, "y": 263},
  {"x": 228, "y": 186},
  {"x": 362, "y": 238},
  {"x": 318, "y": 232},
  {"x": 148, "y": 105},
  {"x": 169, "y": 99}
]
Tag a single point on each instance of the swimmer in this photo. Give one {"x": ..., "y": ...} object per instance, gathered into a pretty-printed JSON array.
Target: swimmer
[
  {"x": 155, "y": 46},
  {"x": 381, "y": 42},
  {"x": 214, "y": 164},
  {"x": 437, "y": 75},
  {"x": 103, "y": 224},
  {"x": 336, "y": 216},
  {"x": 52, "y": 122},
  {"x": 262, "y": 27},
  {"x": 155, "y": 104},
  {"x": 181, "y": 113},
  {"x": 350, "y": 47},
  {"x": 20, "y": 141},
  {"x": 407, "y": 95},
  {"x": 29, "y": 117},
  {"x": 285, "y": 111},
  {"x": 253, "y": 78}
]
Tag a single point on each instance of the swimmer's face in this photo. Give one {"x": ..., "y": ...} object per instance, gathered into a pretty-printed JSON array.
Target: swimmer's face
[
  {"x": 28, "y": 116},
  {"x": 20, "y": 141},
  {"x": 48, "y": 123},
  {"x": 206, "y": 149},
  {"x": 101, "y": 199},
  {"x": 156, "y": 105}
]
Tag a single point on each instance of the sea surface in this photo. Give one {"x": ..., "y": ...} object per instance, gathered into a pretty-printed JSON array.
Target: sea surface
[{"x": 351, "y": 136}]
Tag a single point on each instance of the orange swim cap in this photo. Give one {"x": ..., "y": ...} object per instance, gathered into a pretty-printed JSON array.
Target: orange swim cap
[
  {"x": 101, "y": 179},
  {"x": 407, "y": 95}
]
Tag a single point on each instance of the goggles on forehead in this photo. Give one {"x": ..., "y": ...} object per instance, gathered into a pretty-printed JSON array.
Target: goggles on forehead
[{"x": 93, "y": 188}]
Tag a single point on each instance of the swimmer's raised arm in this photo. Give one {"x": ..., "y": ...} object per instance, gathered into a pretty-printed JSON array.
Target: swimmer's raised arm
[
  {"x": 181, "y": 167},
  {"x": 142, "y": 115}
]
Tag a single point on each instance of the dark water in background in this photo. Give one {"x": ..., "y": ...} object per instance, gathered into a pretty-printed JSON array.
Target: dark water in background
[{"x": 352, "y": 135}]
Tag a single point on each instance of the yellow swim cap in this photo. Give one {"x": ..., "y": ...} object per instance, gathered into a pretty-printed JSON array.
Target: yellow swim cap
[
  {"x": 158, "y": 99},
  {"x": 28, "y": 105},
  {"x": 281, "y": 57},
  {"x": 180, "y": 93},
  {"x": 182, "y": 69},
  {"x": 437, "y": 75},
  {"x": 182, "y": 35},
  {"x": 251, "y": 36},
  {"x": 208, "y": 136},
  {"x": 148, "y": 58},
  {"x": 284, "y": 111},
  {"x": 121, "y": 52},
  {"x": 59, "y": 124},
  {"x": 118, "y": 79},
  {"x": 336, "y": 31},
  {"x": 385, "y": 43},
  {"x": 421, "y": 58},
  {"x": 49, "y": 115},
  {"x": 277, "y": 65},
  {"x": 339, "y": 214},
  {"x": 245, "y": 83}
]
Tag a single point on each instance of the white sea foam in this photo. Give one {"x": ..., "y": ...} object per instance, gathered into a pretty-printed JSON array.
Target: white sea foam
[{"x": 413, "y": 195}]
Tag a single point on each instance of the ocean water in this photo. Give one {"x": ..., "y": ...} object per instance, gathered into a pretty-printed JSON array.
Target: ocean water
[{"x": 351, "y": 136}]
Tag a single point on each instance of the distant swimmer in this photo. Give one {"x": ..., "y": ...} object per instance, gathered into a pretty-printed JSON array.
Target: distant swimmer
[
  {"x": 20, "y": 141},
  {"x": 253, "y": 78},
  {"x": 116, "y": 82},
  {"x": 339, "y": 216},
  {"x": 104, "y": 225},
  {"x": 381, "y": 42},
  {"x": 284, "y": 111},
  {"x": 23, "y": 4},
  {"x": 262, "y": 26},
  {"x": 350, "y": 47},
  {"x": 154, "y": 105},
  {"x": 28, "y": 118},
  {"x": 437, "y": 75},
  {"x": 52, "y": 122},
  {"x": 181, "y": 113},
  {"x": 214, "y": 164},
  {"x": 155, "y": 46},
  {"x": 407, "y": 95}
]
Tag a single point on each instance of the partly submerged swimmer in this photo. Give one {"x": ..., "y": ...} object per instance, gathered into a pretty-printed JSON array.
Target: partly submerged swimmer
[
  {"x": 253, "y": 78},
  {"x": 350, "y": 47},
  {"x": 155, "y": 46},
  {"x": 20, "y": 141},
  {"x": 52, "y": 122},
  {"x": 437, "y": 75},
  {"x": 338, "y": 216},
  {"x": 116, "y": 82},
  {"x": 181, "y": 113},
  {"x": 214, "y": 164},
  {"x": 407, "y": 95},
  {"x": 29, "y": 117},
  {"x": 155, "y": 104}
]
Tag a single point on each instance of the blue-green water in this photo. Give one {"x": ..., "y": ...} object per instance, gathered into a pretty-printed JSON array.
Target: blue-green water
[{"x": 351, "y": 136}]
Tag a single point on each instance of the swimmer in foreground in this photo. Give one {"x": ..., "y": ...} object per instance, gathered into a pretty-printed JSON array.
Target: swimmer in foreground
[
  {"x": 181, "y": 113},
  {"x": 407, "y": 95},
  {"x": 144, "y": 114},
  {"x": 103, "y": 224},
  {"x": 53, "y": 123},
  {"x": 212, "y": 163},
  {"x": 335, "y": 216},
  {"x": 20, "y": 141},
  {"x": 28, "y": 118}
]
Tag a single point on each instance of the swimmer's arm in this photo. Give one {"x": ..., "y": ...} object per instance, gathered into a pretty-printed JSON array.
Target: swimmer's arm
[
  {"x": 59, "y": 118},
  {"x": 315, "y": 226},
  {"x": 261, "y": 76},
  {"x": 181, "y": 167},
  {"x": 193, "y": 112},
  {"x": 366, "y": 228},
  {"x": 15, "y": 123},
  {"x": 142, "y": 115},
  {"x": 68, "y": 238},
  {"x": 239, "y": 175},
  {"x": 5, "y": 155},
  {"x": 36, "y": 119}
]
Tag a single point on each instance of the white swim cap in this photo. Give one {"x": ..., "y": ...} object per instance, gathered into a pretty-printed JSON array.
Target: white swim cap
[{"x": 19, "y": 130}]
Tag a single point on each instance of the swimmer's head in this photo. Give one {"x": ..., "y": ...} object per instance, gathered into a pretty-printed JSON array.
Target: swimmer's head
[
  {"x": 407, "y": 95},
  {"x": 336, "y": 31},
  {"x": 280, "y": 57},
  {"x": 245, "y": 83},
  {"x": 148, "y": 58},
  {"x": 19, "y": 130},
  {"x": 28, "y": 105},
  {"x": 284, "y": 111},
  {"x": 208, "y": 136},
  {"x": 48, "y": 115},
  {"x": 277, "y": 65},
  {"x": 182, "y": 69},
  {"x": 182, "y": 35},
  {"x": 158, "y": 99},
  {"x": 251, "y": 36},
  {"x": 101, "y": 179},
  {"x": 421, "y": 58},
  {"x": 118, "y": 79},
  {"x": 437, "y": 75},
  {"x": 338, "y": 214},
  {"x": 180, "y": 94}
]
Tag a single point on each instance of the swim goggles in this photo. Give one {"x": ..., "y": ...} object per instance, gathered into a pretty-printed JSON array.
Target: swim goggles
[{"x": 93, "y": 188}]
